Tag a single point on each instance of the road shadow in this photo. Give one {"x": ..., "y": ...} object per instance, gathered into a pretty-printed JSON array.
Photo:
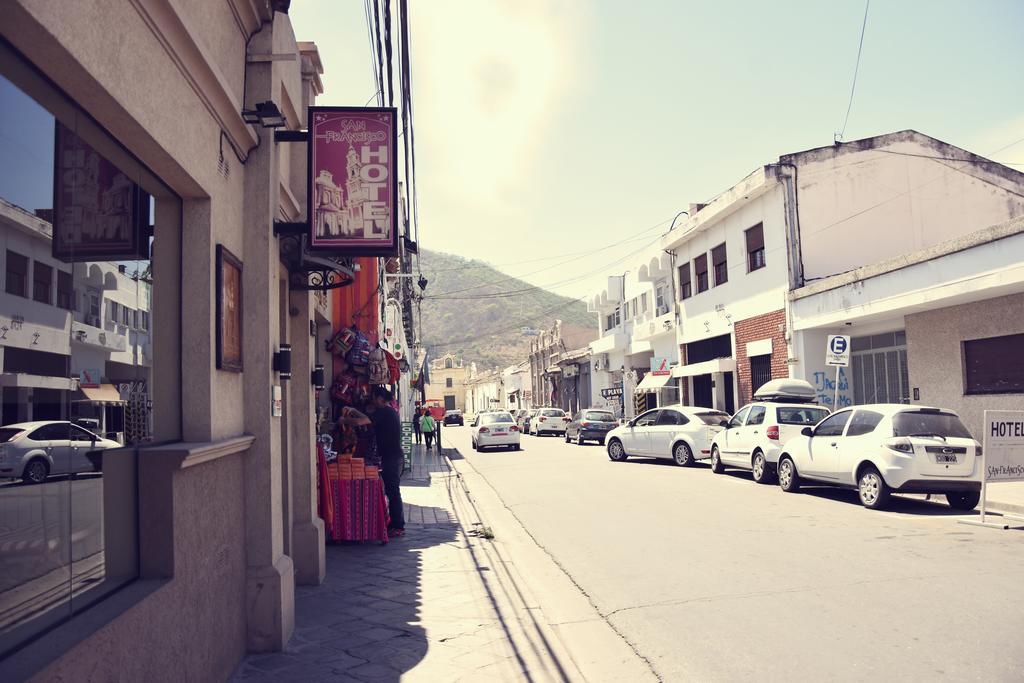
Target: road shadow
[
  {"x": 936, "y": 507},
  {"x": 363, "y": 621}
]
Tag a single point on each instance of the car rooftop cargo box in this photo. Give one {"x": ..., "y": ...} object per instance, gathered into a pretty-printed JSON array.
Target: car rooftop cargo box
[{"x": 786, "y": 390}]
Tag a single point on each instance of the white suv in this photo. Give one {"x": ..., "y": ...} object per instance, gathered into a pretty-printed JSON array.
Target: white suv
[
  {"x": 754, "y": 437},
  {"x": 887, "y": 448}
]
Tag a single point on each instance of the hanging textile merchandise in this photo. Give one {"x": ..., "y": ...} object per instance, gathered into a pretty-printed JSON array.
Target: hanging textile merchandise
[{"x": 352, "y": 501}]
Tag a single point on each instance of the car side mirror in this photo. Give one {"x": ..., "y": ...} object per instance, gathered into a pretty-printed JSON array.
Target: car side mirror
[
  {"x": 724, "y": 423},
  {"x": 807, "y": 431}
]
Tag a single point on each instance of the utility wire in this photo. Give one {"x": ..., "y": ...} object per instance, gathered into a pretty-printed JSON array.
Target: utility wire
[
  {"x": 474, "y": 266},
  {"x": 380, "y": 51},
  {"x": 545, "y": 286},
  {"x": 368, "y": 14},
  {"x": 387, "y": 52},
  {"x": 557, "y": 265},
  {"x": 856, "y": 68}
]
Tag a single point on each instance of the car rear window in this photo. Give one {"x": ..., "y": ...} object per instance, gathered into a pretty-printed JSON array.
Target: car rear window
[
  {"x": 8, "y": 433},
  {"x": 928, "y": 423},
  {"x": 714, "y": 418},
  {"x": 495, "y": 418},
  {"x": 598, "y": 416},
  {"x": 801, "y": 416},
  {"x": 554, "y": 413}
]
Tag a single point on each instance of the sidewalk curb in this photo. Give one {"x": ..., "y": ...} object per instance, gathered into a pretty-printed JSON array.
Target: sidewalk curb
[
  {"x": 996, "y": 506},
  {"x": 596, "y": 650}
]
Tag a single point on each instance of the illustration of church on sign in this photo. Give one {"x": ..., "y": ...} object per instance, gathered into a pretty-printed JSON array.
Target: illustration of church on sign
[{"x": 339, "y": 214}]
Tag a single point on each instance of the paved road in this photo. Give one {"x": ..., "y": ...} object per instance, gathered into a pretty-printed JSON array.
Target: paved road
[{"x": 712, "y": 577}]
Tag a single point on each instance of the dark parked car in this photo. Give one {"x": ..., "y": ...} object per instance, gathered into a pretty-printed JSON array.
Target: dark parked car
[
  {"x": 590, "y": 425},
  {"x": 523, "y": 419},
  {"x": 453, "y": 417}
]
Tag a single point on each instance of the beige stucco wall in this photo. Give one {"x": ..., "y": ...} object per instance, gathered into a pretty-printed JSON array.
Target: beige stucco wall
[
  {"x": 175, "y": 634},
  {"x": 180, "y": 116},
  {"x": 935, "y": 360}
]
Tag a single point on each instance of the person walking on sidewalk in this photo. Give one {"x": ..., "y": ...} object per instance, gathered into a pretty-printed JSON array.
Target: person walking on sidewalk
[
  {"x": 416, "y": 424},
  {"x": 427, "y": 425},
  {"x": 387, "y": 428}
]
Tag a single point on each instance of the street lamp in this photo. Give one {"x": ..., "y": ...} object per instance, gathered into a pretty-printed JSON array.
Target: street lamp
[{"x": 266, "y": 114}]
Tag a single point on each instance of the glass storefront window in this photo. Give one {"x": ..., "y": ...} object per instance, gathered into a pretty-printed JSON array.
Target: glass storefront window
[{"x": 79, "y": 218}]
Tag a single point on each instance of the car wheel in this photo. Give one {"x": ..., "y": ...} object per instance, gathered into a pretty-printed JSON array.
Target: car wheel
[
  {"x": 967, "y": 500},
  {"x": 579, "y": 438},
  {"x": 682, "y": 455},
  {"x": 616, "y": 452},
  {"x": 601, "y": 441},
  {"x": 789, "y": 480},
  {"x": 716, "y": 461},
  {"x": 475, "y": 447},
  {"x": 515, "y": 447},
  {"x": 759, "y": 468},
  {"x": 872, "y": 489},
  {"x": 36, "y": 471}
]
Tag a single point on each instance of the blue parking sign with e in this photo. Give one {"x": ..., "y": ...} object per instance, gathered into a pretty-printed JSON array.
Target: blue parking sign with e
[{"x": 838, "y": 350}]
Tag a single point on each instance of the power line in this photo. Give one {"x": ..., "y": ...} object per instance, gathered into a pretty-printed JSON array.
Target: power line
[
  {"x": 532, "y": 318},
  {"x": 387, "y": 51},
  {"x": 367, "y": 13},
  {"x": 532, "y": 288},
  {"x": 557, "y": 265},
  {"x": 474, "y": 266},
  {"x": 380, "y": 52},
  {"x": 856, "y": 68}
]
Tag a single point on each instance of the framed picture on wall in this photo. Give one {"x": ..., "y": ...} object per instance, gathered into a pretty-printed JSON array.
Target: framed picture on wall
[{"x": 229, "y": 311}]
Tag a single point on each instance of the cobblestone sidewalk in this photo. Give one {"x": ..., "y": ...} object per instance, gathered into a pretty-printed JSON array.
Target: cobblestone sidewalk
[{"x": 425, "y": 607}]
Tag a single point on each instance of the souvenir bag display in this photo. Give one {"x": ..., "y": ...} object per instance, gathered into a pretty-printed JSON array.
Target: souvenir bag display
[
  {"x": 378, "y": 367},
  {"x": 345, "y": 387},
  {"x": 359, "y": 354},
  {"x": 341, "y": 343}
]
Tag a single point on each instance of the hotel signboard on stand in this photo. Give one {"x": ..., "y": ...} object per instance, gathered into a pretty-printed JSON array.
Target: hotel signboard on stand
[{"x": 353, "y": 183}]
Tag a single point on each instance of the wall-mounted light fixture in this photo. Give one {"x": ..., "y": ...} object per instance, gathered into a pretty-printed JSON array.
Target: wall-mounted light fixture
[
  {"x": 266, "y": 114},
  {"x": 317, "y": 378},
  {"x": 283, "y": 361}
]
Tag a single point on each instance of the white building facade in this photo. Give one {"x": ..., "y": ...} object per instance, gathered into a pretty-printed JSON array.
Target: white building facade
[{"x": 762, "y": 274}]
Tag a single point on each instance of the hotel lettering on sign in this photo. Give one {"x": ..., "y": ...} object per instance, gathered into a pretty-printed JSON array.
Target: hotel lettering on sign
[
  {"x": 1004, "y": 445},
  {"x": 353, "y": 183}
]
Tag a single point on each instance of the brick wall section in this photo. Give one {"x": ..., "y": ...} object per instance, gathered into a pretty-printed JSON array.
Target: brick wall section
[{"x": 769, "y": 325}]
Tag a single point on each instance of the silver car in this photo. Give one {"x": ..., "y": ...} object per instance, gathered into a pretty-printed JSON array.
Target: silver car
[{"x": 34, "y": 451}]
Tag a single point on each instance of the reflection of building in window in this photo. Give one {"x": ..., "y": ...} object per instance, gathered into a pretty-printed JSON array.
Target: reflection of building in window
[{"x": 52, "y": 342}]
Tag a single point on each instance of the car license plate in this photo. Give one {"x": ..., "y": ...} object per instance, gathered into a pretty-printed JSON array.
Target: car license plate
[
  {"x": 500, "y": 431},
  {"x": 942, "y": 457}
]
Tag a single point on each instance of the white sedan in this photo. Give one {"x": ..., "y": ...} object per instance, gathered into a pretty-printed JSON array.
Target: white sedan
[
  {"x": 498, "y": 428},
  {"x": 887, "y": 448},
  {"x": 682, "y": 433}
]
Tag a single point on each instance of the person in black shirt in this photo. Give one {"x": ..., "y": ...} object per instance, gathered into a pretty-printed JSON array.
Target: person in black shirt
[{"x": 387, "y": 428}]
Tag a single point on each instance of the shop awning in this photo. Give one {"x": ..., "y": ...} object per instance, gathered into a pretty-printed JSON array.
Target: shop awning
[
  {"x": 653, "y": 383},
  {"x": 104, "y": 393},
  {"x": 706, "y": 368}
]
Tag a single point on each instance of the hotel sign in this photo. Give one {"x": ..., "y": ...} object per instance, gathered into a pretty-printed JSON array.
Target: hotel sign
[
  {"x": 353, "y": 183},
  {"x": 99, "y": 213}
]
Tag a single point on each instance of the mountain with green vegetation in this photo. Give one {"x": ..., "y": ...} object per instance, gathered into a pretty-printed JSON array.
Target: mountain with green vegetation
[{"x": 474, "y": 310}]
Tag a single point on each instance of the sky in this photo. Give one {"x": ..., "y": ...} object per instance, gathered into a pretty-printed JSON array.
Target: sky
[{"x": 554, "y": 137}]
